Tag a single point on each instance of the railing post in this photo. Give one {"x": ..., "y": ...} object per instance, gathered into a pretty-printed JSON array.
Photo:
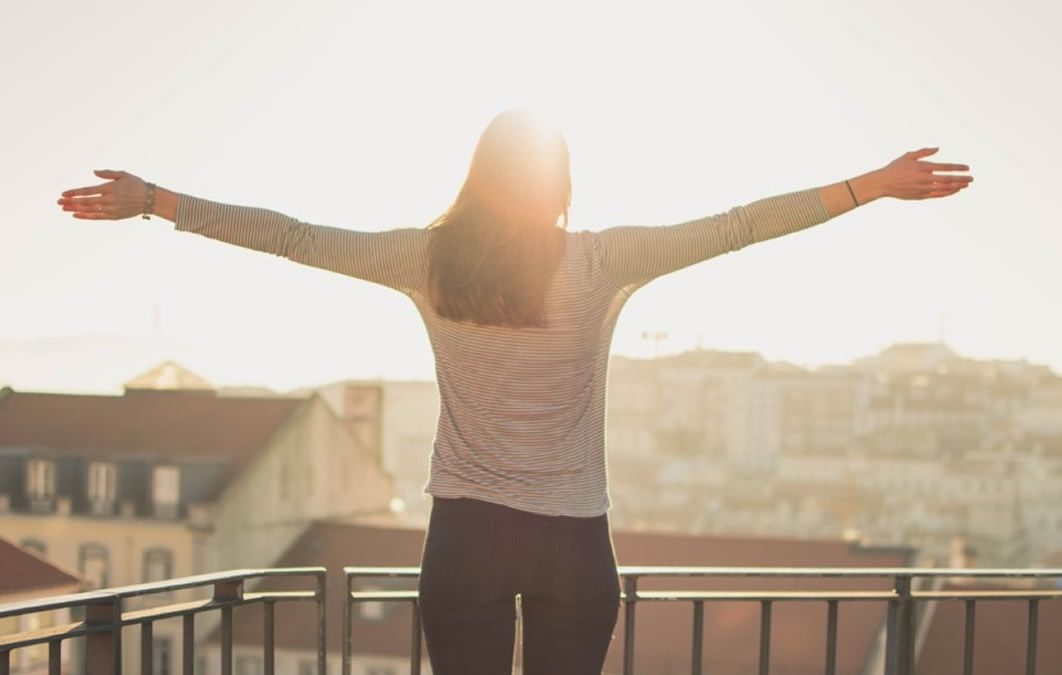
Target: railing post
[
  {"x": 968, "y": 638},
  {"x": 698, "y": 637},
  {"x": 103, "y": 651},
  {"x": 765, "y": 636},
  {"x": 899, "y": 646},
  {"x": 831, "y": 637},
  {"x": 55, "y": 657},
  {"x": 268, "y": 633},
  {"x": 227, "y": 591},
  {"x": 414, "y": 650},
  {"x": 188, "y": 644},
  {"x": 5, "y": 662},
  {"x": 630, "y": 591},
  {"x": 146, "y": 646},
  {"x": 322, "y": 647},
  {"x": 347, "y": 601},
  {"x": 1030, "y": 646}
]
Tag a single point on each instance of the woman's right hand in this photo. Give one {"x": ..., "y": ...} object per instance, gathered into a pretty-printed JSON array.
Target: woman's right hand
[{"x": 122, "y": 197}]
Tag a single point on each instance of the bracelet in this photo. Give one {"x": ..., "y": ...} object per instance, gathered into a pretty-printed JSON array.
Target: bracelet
[
  {"x": 852, "y": 192},
  {"x": 149, "y": 202}
]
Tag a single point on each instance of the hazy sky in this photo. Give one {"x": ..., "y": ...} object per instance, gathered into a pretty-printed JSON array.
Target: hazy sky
[{"x": 364, "y": 115}]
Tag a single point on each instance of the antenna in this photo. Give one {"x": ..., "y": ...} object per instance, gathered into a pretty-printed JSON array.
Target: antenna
[{"x": 656, "y": 338}]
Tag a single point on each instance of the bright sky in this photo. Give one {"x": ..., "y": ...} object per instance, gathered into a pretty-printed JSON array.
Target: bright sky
[{"x": 364, "y": 115}]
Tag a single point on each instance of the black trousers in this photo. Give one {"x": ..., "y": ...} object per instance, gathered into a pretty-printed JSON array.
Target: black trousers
[{"x": 478, "y": 556}]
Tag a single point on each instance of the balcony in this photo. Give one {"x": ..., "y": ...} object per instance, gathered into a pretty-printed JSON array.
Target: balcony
[{"x": 906, "y": 598}]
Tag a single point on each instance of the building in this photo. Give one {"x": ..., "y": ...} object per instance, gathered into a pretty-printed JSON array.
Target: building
[
  {"x": 164, "y": 483},
  {"x": 26, "y": 575},
  {"x": 396, "y": 419}
]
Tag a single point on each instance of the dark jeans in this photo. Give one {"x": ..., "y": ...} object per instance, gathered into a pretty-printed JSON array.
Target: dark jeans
[{"x": 478, "y": 556}]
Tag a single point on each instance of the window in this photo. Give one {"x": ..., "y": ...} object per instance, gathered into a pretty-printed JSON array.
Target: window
[
  {"x": 35, "y": 545},
  {"x": 93, "y": 564},
  {"x": 40, "y": 479},
  {"x": 102, "y": 484},
  {"x": 158, "y": 564},
  {"x": 161, "y": 648},
  {"x": 166, "y": 490},
  {"x": 248, "y": 665}
]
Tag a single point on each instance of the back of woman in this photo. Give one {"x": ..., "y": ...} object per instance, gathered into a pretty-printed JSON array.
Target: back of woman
[{"x": 520, "y": 314}]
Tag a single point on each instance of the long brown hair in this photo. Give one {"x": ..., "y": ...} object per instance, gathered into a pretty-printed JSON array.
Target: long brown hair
[{"x": 495, "y": 250}]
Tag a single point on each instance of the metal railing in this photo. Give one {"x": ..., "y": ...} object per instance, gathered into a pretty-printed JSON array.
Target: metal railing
[
  {"x": 105, "y": 616},
  {"x": 901, "y": 608}
]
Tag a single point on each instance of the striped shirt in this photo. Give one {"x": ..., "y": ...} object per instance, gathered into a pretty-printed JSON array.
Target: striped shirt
[{"x": 522, "y": 410}]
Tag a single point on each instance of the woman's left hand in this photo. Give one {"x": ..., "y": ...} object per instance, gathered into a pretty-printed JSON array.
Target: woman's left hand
[{"x": 122, "y": 197}]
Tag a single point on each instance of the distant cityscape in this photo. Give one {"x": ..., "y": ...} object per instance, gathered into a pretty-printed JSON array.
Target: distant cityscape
[{"x": 916, "y": 452}]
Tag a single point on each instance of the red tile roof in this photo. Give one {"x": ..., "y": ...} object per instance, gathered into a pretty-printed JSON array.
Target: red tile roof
[
  {"x": 143, "y": 424},
  {"x": 24, "y": 572},
  {"x": 663, "y": 642}
]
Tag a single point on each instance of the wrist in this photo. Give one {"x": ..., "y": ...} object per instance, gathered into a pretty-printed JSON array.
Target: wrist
[
  {"x": 149, "y": 201},
  {"x": 868, "y": 187},
  {"x": 166, "y": 204}
]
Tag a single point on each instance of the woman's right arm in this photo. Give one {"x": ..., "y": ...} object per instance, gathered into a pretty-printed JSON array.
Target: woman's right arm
[{"x": 393, "y": 258}]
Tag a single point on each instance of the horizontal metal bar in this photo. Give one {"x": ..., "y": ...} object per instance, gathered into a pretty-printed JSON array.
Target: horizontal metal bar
[
  {"x": 110, "y": 594},
  {"x": 384, "y": 596},
  {"x": 175, "y": 610},
  {"x": 797, "y": 572},
  {"x": 840, "y": 572},
  {"x": 130, "y": 618},
  {"x": 687, "y": 596},
  {"x": 56, "y": 602},
  {"x": 43, "y": 635},
  {"x": 697, "y": 596},
  {"x": 280, "y": 596},
  {"x": 390, "y": 572},
  {"x": 211, "y": 579},
  {"x": 1016, "y": 594}
]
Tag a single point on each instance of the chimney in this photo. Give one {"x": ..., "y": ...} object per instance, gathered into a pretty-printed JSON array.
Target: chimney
[{"x": 960, "y": 554}]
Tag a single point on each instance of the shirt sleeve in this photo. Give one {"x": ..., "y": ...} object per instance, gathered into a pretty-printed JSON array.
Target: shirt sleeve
[
  {"x": 394, "y": 258},
  {"x": 634, "y": 255}
]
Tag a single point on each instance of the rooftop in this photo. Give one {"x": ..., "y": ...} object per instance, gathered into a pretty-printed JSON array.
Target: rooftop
[{"x": 27, "y": 574}]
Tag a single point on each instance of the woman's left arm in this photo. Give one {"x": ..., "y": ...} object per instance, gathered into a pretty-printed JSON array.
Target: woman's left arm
[{"x": 906, "y": 177}]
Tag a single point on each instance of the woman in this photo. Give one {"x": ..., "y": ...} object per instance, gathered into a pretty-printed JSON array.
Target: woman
[{"x": 520, "y": 314}]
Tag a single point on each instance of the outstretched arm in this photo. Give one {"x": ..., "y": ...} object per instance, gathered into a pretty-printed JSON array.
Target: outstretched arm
[
  {"x": 393, "y": 258},
  {"x": 633, "y": 256},
  {"x": 906, "y": 177}
]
